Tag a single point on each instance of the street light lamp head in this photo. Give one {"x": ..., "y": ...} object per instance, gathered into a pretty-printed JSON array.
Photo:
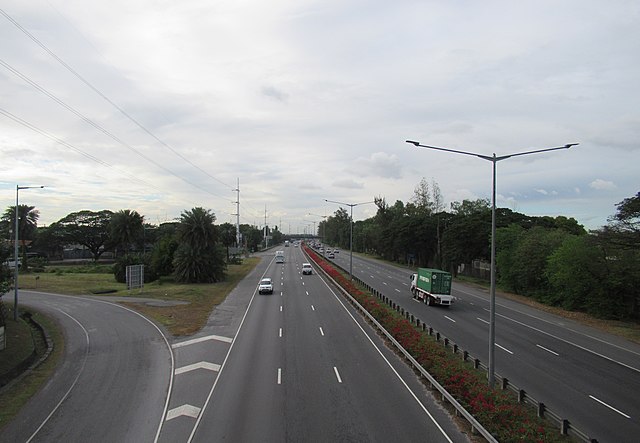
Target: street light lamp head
[{"x": 413, "y": 142}]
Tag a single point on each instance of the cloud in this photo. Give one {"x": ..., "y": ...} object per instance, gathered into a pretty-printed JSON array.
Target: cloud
[
  {"x": 348, "y": 184},
  {"x": 602, "y": 185},
  {"x": 379, "y": 164},
  {"x": 275, "y": 93}
]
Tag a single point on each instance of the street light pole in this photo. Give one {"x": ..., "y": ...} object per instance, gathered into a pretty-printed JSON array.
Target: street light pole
[
  {"x": 323, "y": 226},
  {"x": 492, "y": 301},
  {"x": 351, "y": 205},
  {"x": 16, "y": 252}
]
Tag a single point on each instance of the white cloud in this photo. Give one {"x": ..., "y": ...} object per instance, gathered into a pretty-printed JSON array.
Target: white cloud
[
  {"x": 602, "y": 185},
  {"x": 304, "y": 101}
]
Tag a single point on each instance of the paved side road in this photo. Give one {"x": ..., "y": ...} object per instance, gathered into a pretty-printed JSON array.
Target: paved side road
[{"x": 113, "y": 381}]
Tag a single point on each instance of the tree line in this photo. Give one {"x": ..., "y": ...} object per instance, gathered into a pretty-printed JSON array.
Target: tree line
[
  {"x": 551, "y": 259},
  {"x": 192, "y": 249}
]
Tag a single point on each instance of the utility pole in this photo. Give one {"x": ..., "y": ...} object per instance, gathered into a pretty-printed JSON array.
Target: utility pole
[
  {"x": 237, "y": 214},
  {"x": 266, "y": 238}
]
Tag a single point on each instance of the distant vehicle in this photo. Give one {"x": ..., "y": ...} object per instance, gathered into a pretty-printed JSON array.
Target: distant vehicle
[
  {"x": 286, "y": 243},
  {"x": 336, "y": 250},
  {"x": 266, "y": 286},
  {"x": 432, "y": 286},
  {"x": 307, "y": 269},
  {"x": 331, "y": 255},
  {"x": 279, "y": 256},
  {"x": 11, "y": 264}
]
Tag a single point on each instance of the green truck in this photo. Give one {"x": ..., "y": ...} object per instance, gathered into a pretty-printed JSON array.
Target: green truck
[{"x": 432, "y": 286}]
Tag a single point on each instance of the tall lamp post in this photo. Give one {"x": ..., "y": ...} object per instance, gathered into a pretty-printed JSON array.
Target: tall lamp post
[
  {"x": 351, "y": 205},
  {"x": 16, "y": 252},
  {"x": 492, "y": 301},
  {"x": 325, "y": 218}
]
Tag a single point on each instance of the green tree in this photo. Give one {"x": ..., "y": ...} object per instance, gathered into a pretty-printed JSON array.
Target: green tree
[
  {"x": 87, "y": 228},
  {"x": 199, "y": 257},
  {"x": 126, "y": 230},
  {"x": 27, "y": 225},
  {"x": 227, "y": 236}
]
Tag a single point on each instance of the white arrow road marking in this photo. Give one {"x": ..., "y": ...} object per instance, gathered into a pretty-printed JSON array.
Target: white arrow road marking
[
  {"x": 200, "y": 340},
  {"x": 188, "y": 410},
  {"x": 199, "y": 365}
]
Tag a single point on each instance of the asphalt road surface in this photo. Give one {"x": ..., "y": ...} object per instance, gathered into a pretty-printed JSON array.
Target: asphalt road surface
[
  {"x": 587, "y": 376},
  {"x": 113, "y": 383}
]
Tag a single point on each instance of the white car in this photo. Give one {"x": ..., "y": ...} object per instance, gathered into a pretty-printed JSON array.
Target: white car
[
  {"x": 266, "y": 286},
  {"x": 307, "y": 269}
]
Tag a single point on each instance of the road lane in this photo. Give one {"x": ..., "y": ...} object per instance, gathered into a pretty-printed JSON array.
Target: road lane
[
  {"x": 321, "y": 380},
  {"x": 591, "y": 364},
  {"x": 113, "y": 381}
]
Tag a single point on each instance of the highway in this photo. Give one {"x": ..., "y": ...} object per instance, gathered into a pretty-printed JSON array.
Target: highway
[
  {"x": 587, "y": 376},
  {"x": 113, "y": 381},
  {"x": 296, "y": 365}
]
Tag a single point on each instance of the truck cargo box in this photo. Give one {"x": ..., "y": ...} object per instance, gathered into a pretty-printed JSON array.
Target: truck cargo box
[{"x": 434, "y": 281}]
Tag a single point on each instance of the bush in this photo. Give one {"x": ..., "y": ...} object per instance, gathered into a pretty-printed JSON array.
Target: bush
[{"x": 120, "y": 267}]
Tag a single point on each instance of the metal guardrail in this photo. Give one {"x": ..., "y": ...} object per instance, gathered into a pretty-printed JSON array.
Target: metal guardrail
[
  {"x": 564, "y": 425},
  {"x": 476, "y": 427}
]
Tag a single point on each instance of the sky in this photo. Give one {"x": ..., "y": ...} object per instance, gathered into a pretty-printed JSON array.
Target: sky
[{"x": 161, "y": 106}]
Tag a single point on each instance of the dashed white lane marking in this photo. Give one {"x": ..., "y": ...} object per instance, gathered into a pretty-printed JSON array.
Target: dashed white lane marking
[
  {"x": 200, "y": 340},
  {"x": 385, "y": 283},
  {"x": 397, "y": 290},
  {"x": 199, "y": 365},
  {"x": 609, "y": 406},
  {"x": 504, "y": 349},
  {"x": 548, "y": 350},
  {"x": 280, "y": 308},
  {"x": 188, "y": 410},
  {"x": 280, "y": 333},
  {"x": 482, "y": 320},
  {"x": 313, "y": 308},
  {"x": 337, "y": 374},
  {"x": 449, "y": 318},
  {"x": 321, "y": 332},
  {"x": 307, "y": 292},
  {"x": 279, "y": 376}
]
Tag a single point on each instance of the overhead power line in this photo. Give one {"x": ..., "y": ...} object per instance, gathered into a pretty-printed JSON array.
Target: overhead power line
[
  {"x": 107, "y": 99},
  {"x": 99, "y": 127}
]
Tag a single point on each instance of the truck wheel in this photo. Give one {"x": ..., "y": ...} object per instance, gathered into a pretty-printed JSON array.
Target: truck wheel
[{"x": 429, "y": 301}]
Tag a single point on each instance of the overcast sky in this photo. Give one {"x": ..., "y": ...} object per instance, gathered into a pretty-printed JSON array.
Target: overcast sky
[{"x": 161, "y": 106}]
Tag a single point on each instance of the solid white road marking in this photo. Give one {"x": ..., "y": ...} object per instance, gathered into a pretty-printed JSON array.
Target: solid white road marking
[
  {"x": 321, "y": 332},
  {"x": 449, "y": 318},
  {"x": 199, "y": 365},
  {"x": 548, "y": 350},
  {"x": 200, "y": 340},
  {"x": 609, "y": 406},
  {"x": 188, "y": 410},
  {"x": 279, "y": 376},
  {"x": 504, "y": 349},
  {"x": 482, "y": 320},
  {"x": 337, "y": 374}
]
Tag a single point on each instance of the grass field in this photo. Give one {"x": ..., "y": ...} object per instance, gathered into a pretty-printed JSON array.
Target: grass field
[{"x": 180, "y": 320}]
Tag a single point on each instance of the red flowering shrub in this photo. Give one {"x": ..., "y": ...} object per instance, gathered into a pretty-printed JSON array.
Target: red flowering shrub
[{"x": 496, "y": 410}]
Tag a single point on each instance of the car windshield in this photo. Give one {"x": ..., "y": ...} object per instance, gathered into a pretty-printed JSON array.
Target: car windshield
[{"x": 266, "y": 281}]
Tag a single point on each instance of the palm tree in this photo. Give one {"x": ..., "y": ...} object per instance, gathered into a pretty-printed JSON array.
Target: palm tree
[
  {"x": 199, "y": 257},
  {"x": 27, "y": 225},
  {"x": 126, "y": 229}
]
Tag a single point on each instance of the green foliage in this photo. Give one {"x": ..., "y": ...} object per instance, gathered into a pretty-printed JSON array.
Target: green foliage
[
  {"x": 126, "y": 229},
  {"x": 522, "y": 257},
  {"x": 196, "y": 265},
  {"x": 120, "y": 267},
  {"x": 162, "y": 255},
  {"x": 87, "y": 228},
  {"x": 199, "y": 257}
]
